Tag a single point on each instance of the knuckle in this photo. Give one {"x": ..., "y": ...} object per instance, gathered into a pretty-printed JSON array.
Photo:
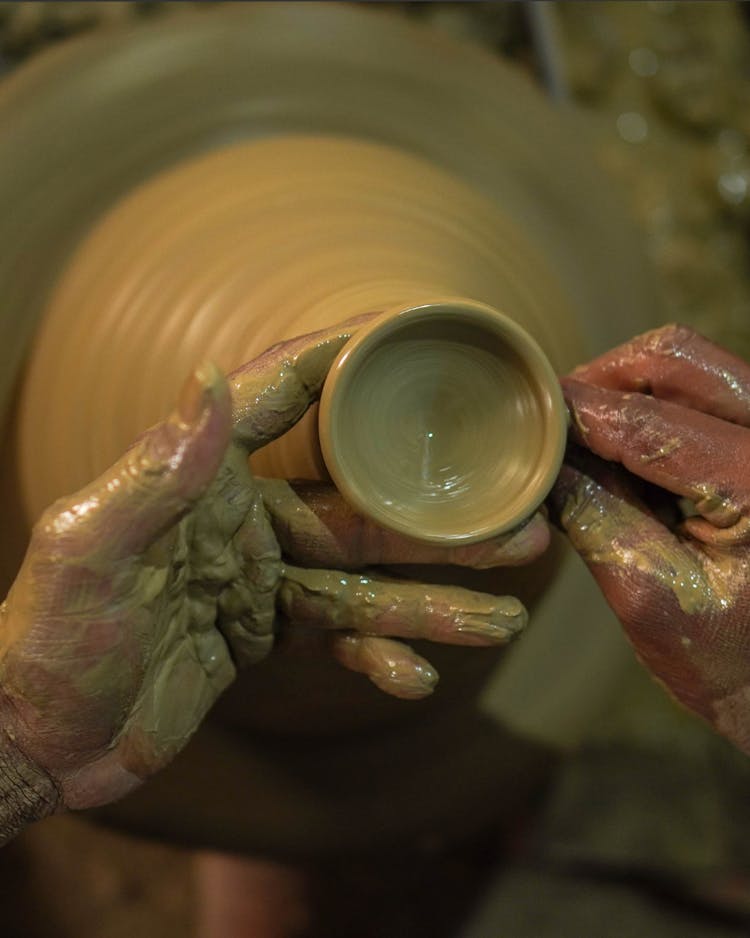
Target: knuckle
[
  {"x": 137, "y": 479},
  {"x": 57, "y": 523},
  {"x": 582, "y": 509},
  {"x": 161, "y": 452}
]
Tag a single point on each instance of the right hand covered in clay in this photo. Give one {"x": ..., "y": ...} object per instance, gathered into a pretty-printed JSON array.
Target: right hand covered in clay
[
  {"x": 141, "y": 594},
  {"x": 670, "y": 414}
]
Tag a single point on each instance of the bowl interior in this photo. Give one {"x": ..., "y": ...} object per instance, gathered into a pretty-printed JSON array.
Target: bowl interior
[{"x": 444, "y": 422}]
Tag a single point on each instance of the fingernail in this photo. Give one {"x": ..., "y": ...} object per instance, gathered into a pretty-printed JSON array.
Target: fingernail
[
  {"x": 426, "y": 677},
  {"x": 501, "y": 626},
  {"x": 419, "y": 681},
  {"x": 197, "y": 392},
  {"x": 489, "y": 632}
]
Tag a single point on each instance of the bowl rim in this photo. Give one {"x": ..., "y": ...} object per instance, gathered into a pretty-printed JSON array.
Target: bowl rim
[{"x": 361, "y": 344}]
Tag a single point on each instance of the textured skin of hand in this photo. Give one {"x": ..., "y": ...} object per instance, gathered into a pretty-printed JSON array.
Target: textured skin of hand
[
  {"x": 27, "y": 793},
  {"x": 141, "y": 594},
  {"x": 655, "y": 496}
]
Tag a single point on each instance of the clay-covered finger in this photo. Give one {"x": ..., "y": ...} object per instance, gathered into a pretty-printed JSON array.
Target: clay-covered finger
[
  {"x": 731, "y": 536},
  {"x": 333, "y": 599},
  {"x": 273, "y": 391},
  {"x": 687, "y": 452},
  {"x": 392, "y": 666},
  {"x": 153, "y": 485},
  {"x": 675, "y": 363},
  {"x": 316, "y": 527}
]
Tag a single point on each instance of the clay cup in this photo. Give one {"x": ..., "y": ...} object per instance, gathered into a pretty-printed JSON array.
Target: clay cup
[{"x": 443, "y": 421}]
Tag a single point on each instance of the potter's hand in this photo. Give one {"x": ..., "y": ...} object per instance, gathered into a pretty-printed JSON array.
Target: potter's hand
[
  {"x": 141, "y": 594},
  {"x": 354, "y": 613},
  {"x": 670, "y": 412}
]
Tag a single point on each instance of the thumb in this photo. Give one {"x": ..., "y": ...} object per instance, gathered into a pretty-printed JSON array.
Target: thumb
[{"x": 152, "y": 485}]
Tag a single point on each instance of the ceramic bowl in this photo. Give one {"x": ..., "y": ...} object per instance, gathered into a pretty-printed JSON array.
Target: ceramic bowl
[{"x": 443, "y": 421}]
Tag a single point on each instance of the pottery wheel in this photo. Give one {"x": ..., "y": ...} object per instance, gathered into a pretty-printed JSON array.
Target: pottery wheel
[
  {"x": 155, "y": 186},
  {"x": 240, "y": 248}
]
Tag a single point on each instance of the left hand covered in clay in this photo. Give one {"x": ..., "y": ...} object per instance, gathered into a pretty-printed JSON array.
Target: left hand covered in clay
[
  {"x": 670, "y": 414},
  {"x": 141, "y": 594}
]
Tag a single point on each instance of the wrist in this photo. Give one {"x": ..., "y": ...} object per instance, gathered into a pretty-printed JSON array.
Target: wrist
[{"x": 27, "y": 793}]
